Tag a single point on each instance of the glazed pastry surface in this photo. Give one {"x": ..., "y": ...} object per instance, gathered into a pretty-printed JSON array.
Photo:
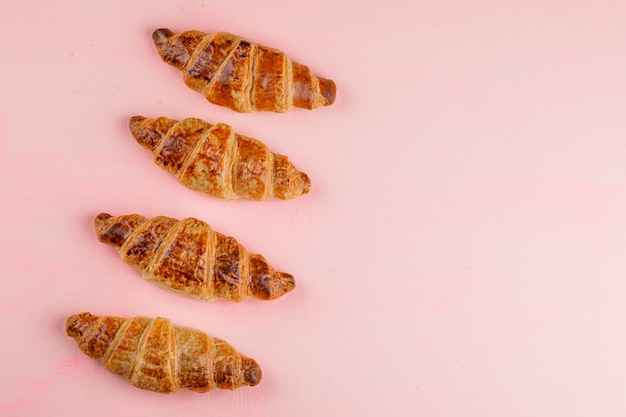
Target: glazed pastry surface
[
  {"x": 155, "y": 355},
  {"x": 242, "y": 75},
  {"x": 188, "y": 257},
  {"x": 213, "y": 159}
]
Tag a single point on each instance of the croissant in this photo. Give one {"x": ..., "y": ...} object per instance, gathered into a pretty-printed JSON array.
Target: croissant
[
  {"x": 214, "y": 160},
  {"x": 155, "y": 355},
  {"x": 242, "y": 75},
  {"x": 190, "y": 258}
]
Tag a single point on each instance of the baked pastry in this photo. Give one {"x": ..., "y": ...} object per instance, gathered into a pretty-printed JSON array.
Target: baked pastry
[
  {"x": 215, "y": 160},
  {"x": 242, "y": 75},
  {"x": 155, "y": 355},
  {"x": 190, "y": 258}
]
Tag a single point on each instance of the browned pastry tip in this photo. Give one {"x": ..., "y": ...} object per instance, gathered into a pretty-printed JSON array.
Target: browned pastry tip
[
  {"x": 148, "y": 133},
  {"x": 251, "y": 372},
  {"x": 100, "y": 220},
  {"x": 329, "y": 90},
  {"x": 76, "y": 324},
  {"x": 188, "y": 257},
  {"x": 134, "y": 124},
  {"x": 109, "y": 232},
  {"x": 155, "y": 355},
  {"x": 161, "y": 35},
  {"x": 305, "y": 183},
  {"x": 269, "y": 286},
  {"x": 175, "y": 49},
  {"x": 114, "y": 231},
  {"x": 242, "y": 75}
]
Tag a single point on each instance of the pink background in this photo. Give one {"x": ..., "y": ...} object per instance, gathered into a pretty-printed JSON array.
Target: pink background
[{"x": 461, "y": 252}]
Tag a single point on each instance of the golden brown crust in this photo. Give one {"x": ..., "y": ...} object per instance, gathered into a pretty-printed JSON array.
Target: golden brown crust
[
  {"x": 207, "y": 58},
  {"x": 287, "y": 181},
  {"x": 171, "y": 152},
  {"x": 230, "y": 88},
  {"x": 270, "y": 83},
  {"x": 155, "y": 355},
  {"x": 190, "y": 258},
  {"x": 252, "y": 176},
  {"x": 147, "y": 238},
  {"x": 196, "y": 353},
  {"x": 121, "y": 358},
  {"x": 228, "y": 268},
  {"x": 303, "y": 95},
  {"x": 179, "y": 49},
  {"x": 180, "y": 263},
  {"x": 214, "y": 160},
  {"x": 240, "y": 74}
]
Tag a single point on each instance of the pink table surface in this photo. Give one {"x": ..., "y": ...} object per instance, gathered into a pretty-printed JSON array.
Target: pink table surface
[{"x": 461, "y": 252}]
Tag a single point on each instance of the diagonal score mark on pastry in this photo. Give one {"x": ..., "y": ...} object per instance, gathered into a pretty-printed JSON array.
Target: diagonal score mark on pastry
[
  {"x": 240, "y": 74},
  {"x": 213, "y": 159},
  {"x": 190, "y": 258},
  {"x": 155, "y": 355}
]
